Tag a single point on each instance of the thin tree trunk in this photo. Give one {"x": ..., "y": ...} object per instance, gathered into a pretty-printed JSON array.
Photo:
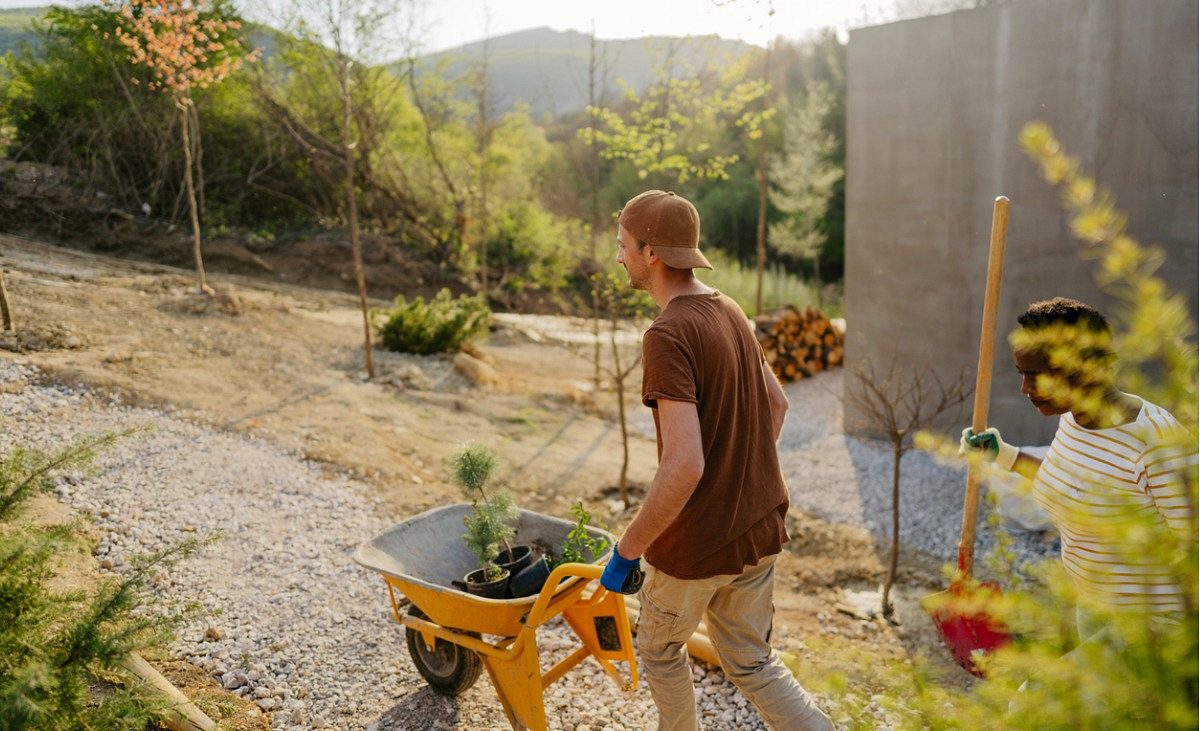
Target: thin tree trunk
[
  {"x": 352, "y": 211},
  {"x": 893, "y": 558},
  {"x": 483, "y": 146},
  {"x": 198, "y": 156},
  {"x": 5, "y": 309},
  {"x": 817, "y": 275},
  {"x": 760, "y": 235},
  {"x": 760, "y": 174},
  {"x": 619, "y": 381},
  {"x": 594, "y": 181},
  {"x": 594, "y": 276},
  {"x": 185, "y": 123}
]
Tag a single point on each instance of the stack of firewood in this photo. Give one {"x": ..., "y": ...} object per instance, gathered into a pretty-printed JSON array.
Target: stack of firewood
[{"x": 799, "y": 343}]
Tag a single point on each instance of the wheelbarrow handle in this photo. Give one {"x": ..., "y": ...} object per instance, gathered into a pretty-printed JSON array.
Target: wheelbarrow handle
[
  {"x": 568, "y": 572},
  {"x": 983, "y": 379}
]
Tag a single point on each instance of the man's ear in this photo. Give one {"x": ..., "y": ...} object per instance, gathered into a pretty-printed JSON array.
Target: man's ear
[{"x": 653, "y": 256}]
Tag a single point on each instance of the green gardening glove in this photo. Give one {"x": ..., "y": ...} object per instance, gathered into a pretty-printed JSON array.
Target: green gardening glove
[{"x": 988, "y": 445}]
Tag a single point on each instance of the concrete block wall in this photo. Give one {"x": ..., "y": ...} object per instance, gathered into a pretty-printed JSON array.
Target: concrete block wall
[{"x": 935, "y": 106}]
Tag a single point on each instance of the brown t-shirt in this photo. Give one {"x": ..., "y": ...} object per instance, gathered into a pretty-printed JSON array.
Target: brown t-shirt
[{"x": 701, "y": 350}]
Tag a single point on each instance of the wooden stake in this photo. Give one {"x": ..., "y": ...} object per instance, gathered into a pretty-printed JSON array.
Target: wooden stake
[
  {"x": 182, "y": 714},
  {"x": 5, "y": 310}
]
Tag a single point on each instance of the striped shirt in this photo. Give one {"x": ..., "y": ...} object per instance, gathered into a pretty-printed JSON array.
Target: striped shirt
[{"x": 1093, "y": 479}]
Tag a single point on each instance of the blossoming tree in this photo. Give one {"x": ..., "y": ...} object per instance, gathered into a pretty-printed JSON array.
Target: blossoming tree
[{"x": 187, "y": 45}]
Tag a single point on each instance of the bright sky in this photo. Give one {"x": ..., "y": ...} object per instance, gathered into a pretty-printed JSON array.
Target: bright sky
[
  {"x": 454, "y": 22},
  {"x": 451, "y": 23}
]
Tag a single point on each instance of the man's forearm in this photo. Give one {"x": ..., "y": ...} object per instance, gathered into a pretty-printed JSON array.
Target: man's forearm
[{"x": 672, "y": 487}]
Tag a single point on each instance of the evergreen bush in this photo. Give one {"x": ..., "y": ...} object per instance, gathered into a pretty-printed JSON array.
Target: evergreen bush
[
  {"x": 54, "y": 645},
  {"x": 441, "y": 325}
]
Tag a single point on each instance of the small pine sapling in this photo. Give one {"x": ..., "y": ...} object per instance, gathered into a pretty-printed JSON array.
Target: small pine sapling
[{"x": 492, "y": 516}]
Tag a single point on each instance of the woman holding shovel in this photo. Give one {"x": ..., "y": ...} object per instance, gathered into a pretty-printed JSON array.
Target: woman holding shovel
[{"x": 1115, "y": 457}]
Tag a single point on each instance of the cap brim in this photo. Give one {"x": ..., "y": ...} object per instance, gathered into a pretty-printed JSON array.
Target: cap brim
[{"x": 681, "y": 257}]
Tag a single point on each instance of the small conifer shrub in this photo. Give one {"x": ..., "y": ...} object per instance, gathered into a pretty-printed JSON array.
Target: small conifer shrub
[{"x": 441, "y": 325}]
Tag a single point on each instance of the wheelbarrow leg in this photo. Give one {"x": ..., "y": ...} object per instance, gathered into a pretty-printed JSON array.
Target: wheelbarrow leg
[{"x": 518, "y": 684}]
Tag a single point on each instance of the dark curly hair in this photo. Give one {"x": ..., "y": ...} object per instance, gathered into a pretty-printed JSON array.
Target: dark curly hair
[{"x": 1063, "y": 311}]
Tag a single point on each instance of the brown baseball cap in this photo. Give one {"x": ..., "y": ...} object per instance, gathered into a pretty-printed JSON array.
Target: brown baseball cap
[{"x": 669, "y": 223}]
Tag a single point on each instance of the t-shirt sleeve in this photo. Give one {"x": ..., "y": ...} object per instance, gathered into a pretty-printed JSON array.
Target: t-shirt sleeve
[
  {"x": 667, "y": 370},
  {"x": 1168, "y": 463}
]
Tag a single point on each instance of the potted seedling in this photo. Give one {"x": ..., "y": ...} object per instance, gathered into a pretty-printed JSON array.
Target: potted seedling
[
  {"x": 579, "y": 547},
  {"x": 489, "y": 524}
]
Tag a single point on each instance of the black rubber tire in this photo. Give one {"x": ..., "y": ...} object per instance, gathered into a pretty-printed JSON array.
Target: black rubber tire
[{"x": 449, "y": 669}]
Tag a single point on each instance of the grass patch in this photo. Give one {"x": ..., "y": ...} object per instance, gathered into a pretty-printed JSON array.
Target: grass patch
[{"x": 740, "y": 283}]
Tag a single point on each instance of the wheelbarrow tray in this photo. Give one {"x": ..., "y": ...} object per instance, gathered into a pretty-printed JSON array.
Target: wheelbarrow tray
[{"x": 422, "y": 555}]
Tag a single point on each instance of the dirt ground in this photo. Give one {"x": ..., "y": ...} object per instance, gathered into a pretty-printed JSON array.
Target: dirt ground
[{"x": 288, "y": 366}]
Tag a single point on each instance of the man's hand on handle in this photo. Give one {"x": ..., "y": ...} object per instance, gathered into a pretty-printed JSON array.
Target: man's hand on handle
[{"x": 622, "y": 575}]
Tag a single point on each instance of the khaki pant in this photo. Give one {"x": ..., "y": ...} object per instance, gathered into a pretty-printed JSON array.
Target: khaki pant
[{"x": 738, "y": 611}]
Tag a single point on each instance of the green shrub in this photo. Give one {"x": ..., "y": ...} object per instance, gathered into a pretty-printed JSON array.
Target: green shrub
[
  {"x": 55, "y": 645},
  {"x": 441, "y": 325},
  {"x": 529, "y": 248}
]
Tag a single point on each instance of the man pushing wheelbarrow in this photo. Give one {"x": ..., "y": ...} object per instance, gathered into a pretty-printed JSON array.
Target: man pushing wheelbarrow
[{"x": 712, "y": 525}]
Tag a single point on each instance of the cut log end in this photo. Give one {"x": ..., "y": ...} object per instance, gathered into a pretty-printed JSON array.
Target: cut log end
[{"x": 798, "y": 343}]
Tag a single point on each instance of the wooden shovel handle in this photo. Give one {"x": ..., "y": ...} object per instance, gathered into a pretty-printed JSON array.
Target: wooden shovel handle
[{"x": 983, "y": 378}]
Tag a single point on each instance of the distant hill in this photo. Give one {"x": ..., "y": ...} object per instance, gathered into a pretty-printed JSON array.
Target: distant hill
[
  {"x": 16, "y": 27},
  {"x": 548, "y": 69},
  {"x": 543, "y": 68}
]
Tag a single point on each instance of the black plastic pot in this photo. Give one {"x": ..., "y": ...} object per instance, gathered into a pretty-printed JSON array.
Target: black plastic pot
[
  {"x": 531, "y": 579},
  {"x": 516, "y": 559},
  {"x": 478, "y": 585}
]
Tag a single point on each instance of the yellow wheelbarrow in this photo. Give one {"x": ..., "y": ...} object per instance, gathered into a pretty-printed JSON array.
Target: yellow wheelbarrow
[{"x": 452, "y": 635}]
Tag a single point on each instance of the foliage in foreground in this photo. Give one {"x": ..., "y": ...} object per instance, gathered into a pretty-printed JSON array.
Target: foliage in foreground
[
  {"x": 441, "y": 325},
  {"x": 1141, "y": 672},
  {"x": 55, "y": 645}
]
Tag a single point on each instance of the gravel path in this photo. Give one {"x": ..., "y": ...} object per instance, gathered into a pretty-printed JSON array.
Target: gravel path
[
  {"x": 849, "y": 480},
  {"x": 286, "y": 619}
]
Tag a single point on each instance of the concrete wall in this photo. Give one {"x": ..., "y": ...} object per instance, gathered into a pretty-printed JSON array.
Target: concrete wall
[{"x": 934, "y": 110}]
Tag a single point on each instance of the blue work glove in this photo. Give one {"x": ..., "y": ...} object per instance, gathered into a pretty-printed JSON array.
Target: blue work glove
[
  {"x": 619, "y": 574},
  {"x": 988, "y": 445}
]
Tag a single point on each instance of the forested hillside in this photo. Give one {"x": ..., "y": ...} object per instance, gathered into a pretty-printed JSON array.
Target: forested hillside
[
  {"x": 497, "y": 186},
  {"x": 548, "y": 69}
]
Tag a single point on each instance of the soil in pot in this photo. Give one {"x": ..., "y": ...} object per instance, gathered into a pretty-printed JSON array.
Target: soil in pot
[
  {"x": 515, "y": 559},
  {"x": 478, "y": 584},
  {"x": 530, "y": 580}
]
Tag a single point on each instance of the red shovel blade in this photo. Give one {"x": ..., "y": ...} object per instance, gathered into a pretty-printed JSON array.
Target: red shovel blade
[{"x": 967, "y": 634}]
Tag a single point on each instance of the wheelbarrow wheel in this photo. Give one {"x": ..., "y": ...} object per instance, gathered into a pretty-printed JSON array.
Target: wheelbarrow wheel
[{"x": 448, "y": 668}]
